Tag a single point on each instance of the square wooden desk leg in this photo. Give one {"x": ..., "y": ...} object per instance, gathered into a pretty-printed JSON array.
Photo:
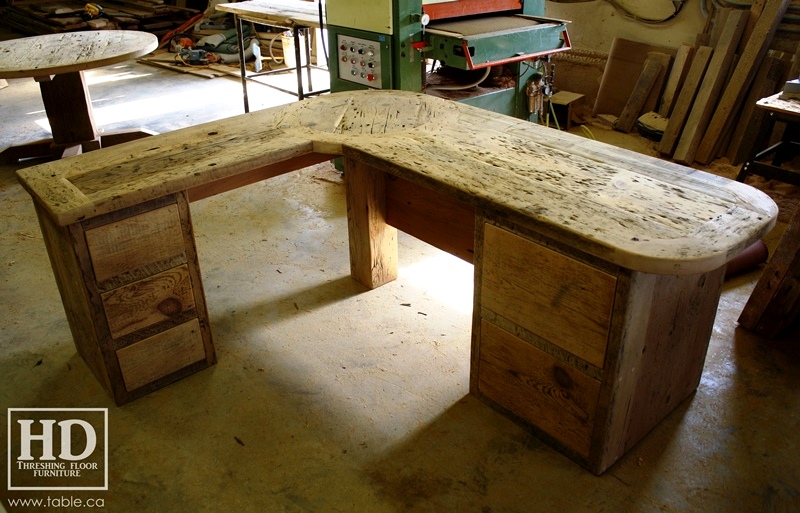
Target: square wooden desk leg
[
  {"x": 69, "y": 108},
  {"x": 373, "y": 243},
  {"x": 588, "y": 355}
]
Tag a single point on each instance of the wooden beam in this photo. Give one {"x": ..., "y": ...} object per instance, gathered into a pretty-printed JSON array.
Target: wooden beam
[
  {"x": 775, "y": 302},
  {"x": 680, "y": 68},
  {"x": 746, "y": 132},
  {"x": 685, "y": 100},
  {"x": 373, "y": 243},
  {"x": 713, "y": 81},
  {"x": 742, "y": 78},
  {"x": 718, "y": 22},
  {"x": 641, "y": 91},
  {"x": 756, "y": 9}
]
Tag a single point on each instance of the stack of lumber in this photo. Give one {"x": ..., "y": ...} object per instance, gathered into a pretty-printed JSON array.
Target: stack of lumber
[
  {"x": 724, "y": 73},
  {"x": 34, "y": 18},
  {"x": 699, "y": 100}
]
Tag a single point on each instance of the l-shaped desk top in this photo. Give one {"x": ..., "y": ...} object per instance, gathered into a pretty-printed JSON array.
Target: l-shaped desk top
[{"x": 633, "y": 210}]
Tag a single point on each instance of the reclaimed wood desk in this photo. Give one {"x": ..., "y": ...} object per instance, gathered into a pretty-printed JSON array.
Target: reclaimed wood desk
[
  {"x": 57, "y": 62},
  {"x": 299, "y": 17},
  {"x": 597, "y": 270}
]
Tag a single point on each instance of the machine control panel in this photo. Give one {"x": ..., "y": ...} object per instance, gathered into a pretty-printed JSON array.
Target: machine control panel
[{"x": 359, "y": 60}]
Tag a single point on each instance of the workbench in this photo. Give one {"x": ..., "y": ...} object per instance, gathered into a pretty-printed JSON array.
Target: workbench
[
  {"x": 298, "y": 17},
  {"x": 597, "y": 270},
  {"x": 777, "y": 109}
]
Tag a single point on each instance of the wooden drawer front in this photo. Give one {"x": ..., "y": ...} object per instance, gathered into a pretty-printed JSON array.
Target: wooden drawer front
[
  {"x": 160, "y": 355},
  {"x": 148, "y": 301},
  {"x": 135, "y": 242},
  {"x": 564, "y": 301},
  {"x": 556, "y": 398}
]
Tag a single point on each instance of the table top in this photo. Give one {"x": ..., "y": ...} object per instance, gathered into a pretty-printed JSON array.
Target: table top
[
  {"x": 788, "y": 107},
  {"x": 630, "y": 209},
  {"x": 52, "y": 54},
  {"x": 281, "y": 13}
]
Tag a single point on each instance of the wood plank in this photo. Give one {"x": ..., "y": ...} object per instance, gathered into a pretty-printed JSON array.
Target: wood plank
[
  {"x": 767, "y": 82},
  {"x": 647, "y": 79},
  {"x": 373, "y": 243},
  {"x": 155, "y": 357},
  {"x": 665, "y": 59},
  {"x": 625, "y": 61},
  {"x": 718, "y": 20},
  {"x": 680, "y": 322},
  {"x": 634, "y": 298},
  {"x": 256, "y": 175},
  {"x": 756, "y": 8},
  {"x": 136, "y": 242},
  {"x": 149, "y": 301},
  {"x": 741, "y": 80},
  {"x": 431, "y": 216},
  {"x": 692, "y": 222},
  {"x": 570, "y": 306},
  {"x": 775, "y": 301},
  {"x": 550, "y": 395},
  {"x": 68, "y": 105},
  {"x": 680, "y": 68},
  {"x": 662, "y": 326},
  {"x": 61, "y": 245},
  {"x": 713, "y": 81},
  {"x": 197, "y": 280},
  {"x": 685, "y": 100}
]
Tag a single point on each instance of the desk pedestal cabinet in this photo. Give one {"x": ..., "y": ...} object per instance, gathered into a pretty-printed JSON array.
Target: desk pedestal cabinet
[
  {"x": 131, "y": 288},
  {"x": 590, "y": 355}
]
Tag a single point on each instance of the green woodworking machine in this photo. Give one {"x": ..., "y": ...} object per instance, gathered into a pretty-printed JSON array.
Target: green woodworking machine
[{"x": 489, "y": 53}]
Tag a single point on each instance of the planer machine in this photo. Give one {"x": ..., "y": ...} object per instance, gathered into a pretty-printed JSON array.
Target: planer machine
[{"x": 492, "y": 54}]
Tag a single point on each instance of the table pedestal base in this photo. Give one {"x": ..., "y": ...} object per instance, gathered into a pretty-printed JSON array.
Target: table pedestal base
[
  {"x": 49, "y": 149},
  {"x": 69, "y": 110}
]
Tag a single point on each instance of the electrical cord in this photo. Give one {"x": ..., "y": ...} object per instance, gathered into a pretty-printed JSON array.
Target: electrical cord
[
  {"x": 677, "y": 5},
  {"x": 322, "y": 38}
]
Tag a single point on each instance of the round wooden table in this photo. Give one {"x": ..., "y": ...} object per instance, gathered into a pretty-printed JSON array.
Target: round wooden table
[{"x": 57, "y": 62}]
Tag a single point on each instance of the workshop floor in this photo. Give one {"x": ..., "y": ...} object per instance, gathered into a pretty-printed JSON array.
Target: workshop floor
[{"x": 328, "y": 397}]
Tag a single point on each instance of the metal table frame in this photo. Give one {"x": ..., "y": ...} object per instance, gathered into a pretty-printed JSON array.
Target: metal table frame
[
  {"x": 296, "y": 31},
  {"x": 783, "y": 151}
]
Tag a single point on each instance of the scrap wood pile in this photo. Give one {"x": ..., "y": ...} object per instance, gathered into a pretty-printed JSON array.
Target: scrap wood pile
[
  {"x": 35, "y": 17},
  {"x": 699, "y": 100}
]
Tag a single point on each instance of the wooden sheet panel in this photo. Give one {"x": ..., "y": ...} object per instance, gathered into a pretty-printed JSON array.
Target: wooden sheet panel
[
  {"x": 544, "y": 391},
  {"x": 155, "y": 357},
  {"x": 431, "y": 216},
  {"x": 148, "y": 301},
  {"x": 568, "y": 303},
  {"x": 135, "y": 242}
]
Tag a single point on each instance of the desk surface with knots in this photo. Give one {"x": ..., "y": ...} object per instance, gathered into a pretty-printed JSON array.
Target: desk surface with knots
[{"x": 630, "y": 209}]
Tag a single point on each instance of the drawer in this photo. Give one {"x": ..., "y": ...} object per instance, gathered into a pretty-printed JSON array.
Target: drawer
[
  {"x": 136, "y": 242},
  {"x": 148, "y": 301},
  {"x": 564, "y": 301},
  {"x": 552, "y": 396},
  {"x": 160, "y": 355}
]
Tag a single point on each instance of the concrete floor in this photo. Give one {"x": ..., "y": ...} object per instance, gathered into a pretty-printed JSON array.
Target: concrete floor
[{"x": 328, "y": 397}]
